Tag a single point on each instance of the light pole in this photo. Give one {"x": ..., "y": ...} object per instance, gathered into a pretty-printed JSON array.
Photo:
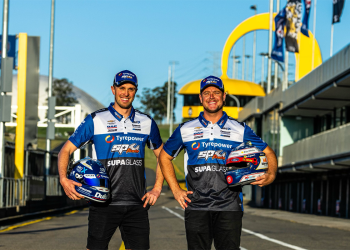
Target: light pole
[
  {"x": 234, "y": 66},
  {"x": 168, "y": 99},
  {"x": 276, "y": 66},
  {"x": 263, "y": 56},
  {"x": 247, "y": 56},
  {"x": 243, "y": 56},
  {"x": 253, "y": 7},
  {"x": 270, "y": 47},
  {"x": 51, "y": 100},
  {"x": 5, "y": 26},
  {"x": 172, "y": 96}
]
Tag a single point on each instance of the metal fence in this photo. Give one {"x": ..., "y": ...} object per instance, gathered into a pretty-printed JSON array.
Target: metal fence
[
  {"x": 15, "y": 191},
  {"x": 34, "y": 185}
]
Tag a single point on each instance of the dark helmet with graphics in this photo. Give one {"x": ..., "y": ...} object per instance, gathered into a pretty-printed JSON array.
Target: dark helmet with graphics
[
  {"x": 93, "y": 175},
  {"x": 244, "y": 164}
]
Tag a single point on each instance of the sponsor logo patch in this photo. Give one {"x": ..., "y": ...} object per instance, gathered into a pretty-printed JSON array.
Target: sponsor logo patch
[
  {"x": 125, "y": 162},
  {"x": 90, "y": 176},
  {"x": 219, "y": 155},
  {"x": 120, "y": 148},
  {"x": 196, "y": 145},
  {"x": 109, "y": 139},
  {"x": 216, "y": 144},
  {"x": 101, "y": 196},
  {"x": 78, "y": 176},
  {"x": 209, "y": 168}
]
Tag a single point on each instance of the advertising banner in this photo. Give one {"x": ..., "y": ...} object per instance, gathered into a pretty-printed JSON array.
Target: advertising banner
[
  {"x": 11, "y": 48},
  {"x": 305, "y": 25},
  {"x": 337, "y": 10},
  {"x": 293, "y": 23},
  {"x": 277, "y": 51}
]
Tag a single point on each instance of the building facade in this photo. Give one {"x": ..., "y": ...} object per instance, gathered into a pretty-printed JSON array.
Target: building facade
[{"x": 308, "y": 126}]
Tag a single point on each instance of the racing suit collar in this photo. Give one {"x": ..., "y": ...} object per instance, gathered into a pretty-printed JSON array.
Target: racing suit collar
[
  {"x": 118, "y": 116},
  {"x": 221, "y": 123}
]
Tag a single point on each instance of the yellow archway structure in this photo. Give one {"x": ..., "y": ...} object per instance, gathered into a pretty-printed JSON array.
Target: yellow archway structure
[
  {"x": 234, "y": 87},
  {"x": 303, "y": 59}
]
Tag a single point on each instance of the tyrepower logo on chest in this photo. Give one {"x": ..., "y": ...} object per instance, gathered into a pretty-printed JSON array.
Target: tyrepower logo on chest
[
  {"x": 218, "y": 154},
  {"x": 120, "y": 148}
]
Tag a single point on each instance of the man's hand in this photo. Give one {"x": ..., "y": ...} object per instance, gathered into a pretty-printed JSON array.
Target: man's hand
[
  {"x": 69, "y": 188},
  {"x": 264, "y": 180},
  {"x": 181, "y": 196},
  {"x": 151, "y": 197}
]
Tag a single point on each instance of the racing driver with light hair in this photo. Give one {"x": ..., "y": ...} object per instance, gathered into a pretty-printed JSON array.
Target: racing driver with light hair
[
  {"x": 213, "y": 211},
  {"x": 119, "y": 135}
]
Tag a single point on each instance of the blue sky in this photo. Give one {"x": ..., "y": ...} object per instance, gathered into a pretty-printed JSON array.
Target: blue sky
[{"x": 94, "y": 39}]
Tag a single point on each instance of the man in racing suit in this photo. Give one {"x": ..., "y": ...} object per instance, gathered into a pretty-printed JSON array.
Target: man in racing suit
[
  {"x": 212, "y": 210},
  {"x": 119, "y": 135}
]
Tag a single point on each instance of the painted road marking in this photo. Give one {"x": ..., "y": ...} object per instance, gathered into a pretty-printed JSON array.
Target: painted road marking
[
  {"x": 249, "y": 232},
  {"x": 24, "y": 224},
  {"x": 172, "y": 212},
  {"x": 34, "y": 221},
  {"x": 272, "y": 240},
  {"x": 122, "y": 246}
]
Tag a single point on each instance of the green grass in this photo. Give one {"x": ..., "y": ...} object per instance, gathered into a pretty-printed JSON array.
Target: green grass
[{"x": 178, "y": 162}]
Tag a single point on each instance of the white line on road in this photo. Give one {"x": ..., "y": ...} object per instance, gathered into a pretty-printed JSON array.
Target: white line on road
[
  {"x": 172, "y": 212},
  {"x": 249, "y": 232},
  {"x": 272, "y": 240}
]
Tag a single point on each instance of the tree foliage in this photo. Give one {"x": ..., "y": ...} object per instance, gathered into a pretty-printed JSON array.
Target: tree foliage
[
  {"x": 63, "y": 90},
  {"x": 154, "y": 101}
]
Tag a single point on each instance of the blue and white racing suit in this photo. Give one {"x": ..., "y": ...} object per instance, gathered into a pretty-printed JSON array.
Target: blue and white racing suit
[
  {"x": 119, "y": 144},
  {"x": 207, "y": 147}
]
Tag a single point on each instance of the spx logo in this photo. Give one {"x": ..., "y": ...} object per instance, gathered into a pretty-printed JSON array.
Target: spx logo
[
  {"x": 120, "y": 148},
  {"x": 196, "y": 145},
  {"x": 109, "y": 140},
  {"x": 219, "y": 154}
]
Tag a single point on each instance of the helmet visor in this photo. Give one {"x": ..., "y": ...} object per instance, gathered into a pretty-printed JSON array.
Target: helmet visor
[{"x": 97, "y": 182}]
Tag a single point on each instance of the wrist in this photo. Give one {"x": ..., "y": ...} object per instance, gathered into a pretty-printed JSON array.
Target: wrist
[{"x": 63, "y": 179}]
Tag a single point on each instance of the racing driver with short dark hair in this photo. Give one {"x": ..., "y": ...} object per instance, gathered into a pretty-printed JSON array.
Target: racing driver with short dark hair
[
  {"x": 119, "y": 135},
  {"x": 213, "y": 211}
]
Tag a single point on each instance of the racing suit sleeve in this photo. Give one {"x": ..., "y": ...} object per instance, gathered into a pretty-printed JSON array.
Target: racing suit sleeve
[
  {"x": 83, "y": 133},
  {"x": 174, "y": 144},
  {"x": 154, "y": 140},
  {"x": 249, "y": 135}
]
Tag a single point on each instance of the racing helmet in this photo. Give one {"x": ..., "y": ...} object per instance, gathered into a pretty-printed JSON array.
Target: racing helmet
[
  {"x": 244, "y": 164},
  {"x": 93, "y": 175}
]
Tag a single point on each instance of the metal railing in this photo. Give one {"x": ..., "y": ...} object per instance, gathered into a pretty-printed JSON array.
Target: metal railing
[
  {"x": 53, "y": 186},
  {"x": 15, "y": 191}
]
